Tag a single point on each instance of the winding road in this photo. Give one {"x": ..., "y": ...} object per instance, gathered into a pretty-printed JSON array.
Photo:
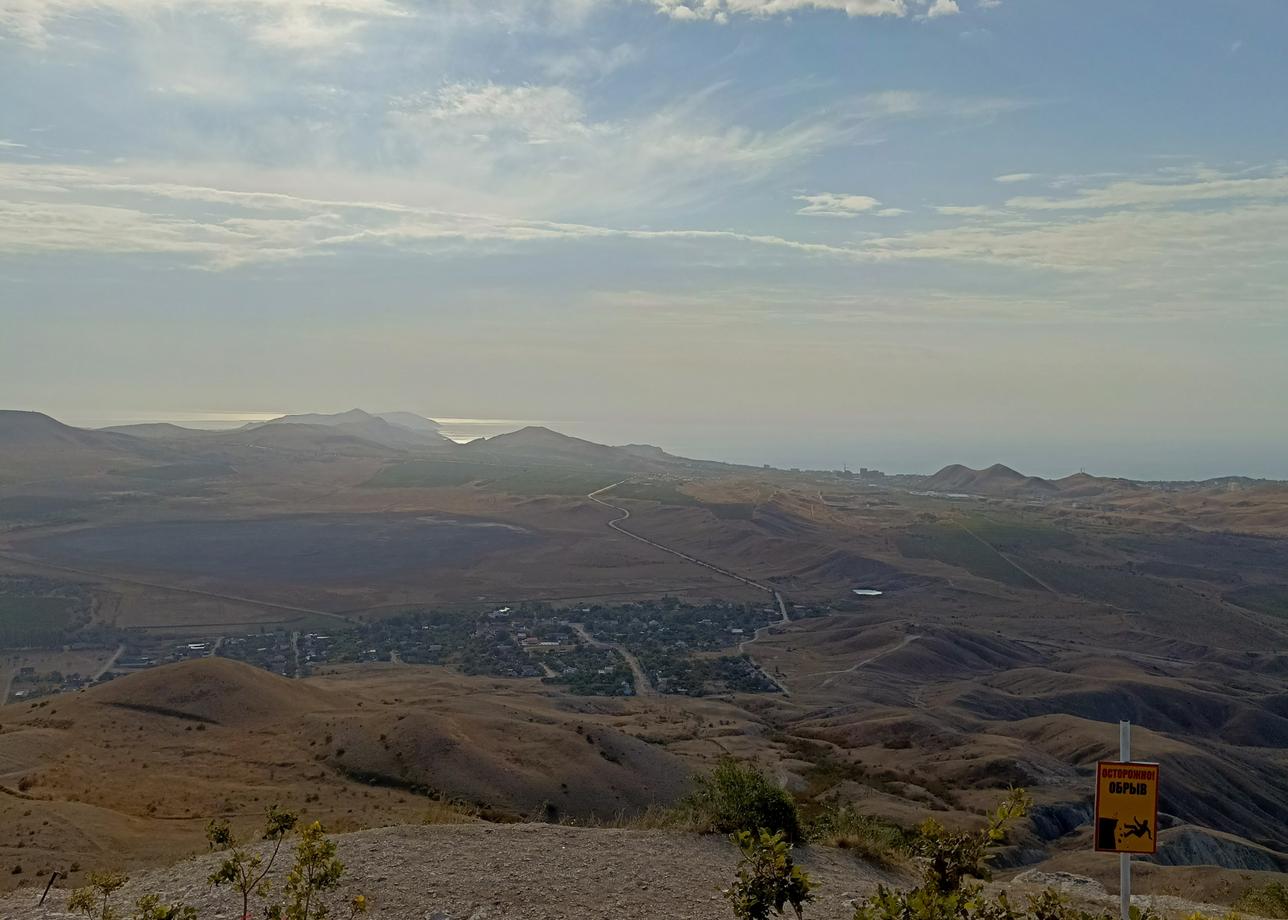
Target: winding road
[{"x": 625, "y": 514}]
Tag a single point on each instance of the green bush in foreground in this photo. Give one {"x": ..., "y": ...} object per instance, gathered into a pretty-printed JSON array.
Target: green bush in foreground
[
  {"x": 954, "y": 864},
  {"x": 870, "y": 838},
  {"x": 738, "y": 797},
  {"x": 767, "y": 878}
]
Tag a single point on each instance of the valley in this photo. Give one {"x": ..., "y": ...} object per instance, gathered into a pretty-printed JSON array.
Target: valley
[{"x": 358, "y": 622}]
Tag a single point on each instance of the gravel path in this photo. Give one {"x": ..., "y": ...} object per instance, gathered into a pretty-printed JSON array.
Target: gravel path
[{"x": 514, "y": 872}]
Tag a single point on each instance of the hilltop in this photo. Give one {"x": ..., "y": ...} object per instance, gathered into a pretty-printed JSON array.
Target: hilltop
[
  {"x": 365, "y": 426},
  {"x": 1000, "y": 481},
  {"x": 543, "y": 445},
  {"x": 33, "y": 444}
]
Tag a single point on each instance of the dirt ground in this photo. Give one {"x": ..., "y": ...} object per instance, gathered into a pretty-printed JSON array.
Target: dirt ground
[{"x": 513, "y": 872}]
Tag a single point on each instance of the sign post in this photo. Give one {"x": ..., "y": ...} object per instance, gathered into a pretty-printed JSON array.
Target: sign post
[
  {"x": 1126, "y": 811},
  {"x": 1124, "y": 859}
]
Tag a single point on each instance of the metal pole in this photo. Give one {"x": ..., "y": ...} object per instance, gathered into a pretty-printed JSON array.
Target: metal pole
[
  {"x": 53, "y": 877},
  {"x": 1124, "y": 859}
]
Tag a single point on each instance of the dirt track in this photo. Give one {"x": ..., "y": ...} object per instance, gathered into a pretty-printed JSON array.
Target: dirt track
[{"x": 513, "y": 872}]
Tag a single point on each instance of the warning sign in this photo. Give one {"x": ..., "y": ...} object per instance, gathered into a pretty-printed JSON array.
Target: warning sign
[{"x": 1126, "y": 807}]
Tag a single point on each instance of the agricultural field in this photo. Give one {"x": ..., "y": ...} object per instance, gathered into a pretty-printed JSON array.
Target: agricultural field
[{"x": 37, "y": 612}]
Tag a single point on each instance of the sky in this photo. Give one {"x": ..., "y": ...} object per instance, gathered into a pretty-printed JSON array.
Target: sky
[{"x": 889, "y": 233}]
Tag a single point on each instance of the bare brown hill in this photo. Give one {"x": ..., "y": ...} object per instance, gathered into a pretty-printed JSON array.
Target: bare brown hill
[
  {"x": 145, "y": 759},
  {"x": 1000, "y": 481},
  {"x": 996, "y": 480},
  {"x": 35, "y": 446}
]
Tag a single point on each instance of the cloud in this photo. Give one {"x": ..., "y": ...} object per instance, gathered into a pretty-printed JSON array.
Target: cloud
[
  {"x": 969, "y": 210},
  {"x": 88, "y": 210},
  {"x": 1138, "y": 194},
  {"x": 1013, "y": 177},
  {"x": 302, "y": 25},
  {"x": 832, "y": 204},
  {"x": 722, "y": 10},
  {"x": 536, "y": 150},
  {"x": 589, "y": 62},
  {"x": 897, "y": 103},
  {"x": 314, "y": 25},
  {"x": 1150, "y": 262},
  {"x": 10, "y": 144},
  {"x": 891, "y": 212}
]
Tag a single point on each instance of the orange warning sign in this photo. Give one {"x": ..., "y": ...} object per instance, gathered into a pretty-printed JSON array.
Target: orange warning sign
[{"x": 1126, "y": 807}]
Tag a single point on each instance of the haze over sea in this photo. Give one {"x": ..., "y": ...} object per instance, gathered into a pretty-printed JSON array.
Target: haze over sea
[{"x": 879, "y": 443}]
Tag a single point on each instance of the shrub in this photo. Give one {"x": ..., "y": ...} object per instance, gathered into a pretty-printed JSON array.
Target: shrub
[
  {"x": 767, "y": 877},
  {"x": 871, "y": 838},
  {"x": 95, "y": 901},
  {"x": 739, "y": 797},
  {"x": 1267, "y": 901},
  {"x": 949, "y": 859},
  {"x": 950, "y": 862}
]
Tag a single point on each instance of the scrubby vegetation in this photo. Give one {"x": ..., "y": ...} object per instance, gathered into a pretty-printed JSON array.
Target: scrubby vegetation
[
  {"x": 243, "y": 870},
  {"x": 314, "y": 874},
  {"x": 767, "y": 878},
  {"x": 736, "y": 797},
  {"x": 95, "y": 901},
  {"x": 1269, "y": 900},
  {"x": 873, "y": 839}
]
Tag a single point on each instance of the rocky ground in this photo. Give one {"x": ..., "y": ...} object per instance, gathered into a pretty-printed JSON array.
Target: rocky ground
[{"x": 511, "y": 872}]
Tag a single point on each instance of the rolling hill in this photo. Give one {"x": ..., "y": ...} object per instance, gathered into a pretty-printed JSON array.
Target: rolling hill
[
  {"x": 1000, "y": 481},
  {"x": 365, "y": 426}
]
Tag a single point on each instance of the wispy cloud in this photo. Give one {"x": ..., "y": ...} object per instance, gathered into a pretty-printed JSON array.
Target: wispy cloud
[
  {"x": 1013, "y": 177},
  {"x": 288, "y": 24},
  {"x": 1214, "y": 186},
  {"x": 832, "y": 204},
  {"x": 723, "y": 10}
]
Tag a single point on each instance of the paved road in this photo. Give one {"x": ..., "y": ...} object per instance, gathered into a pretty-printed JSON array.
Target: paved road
[
  {"x": 625, "y": 515},
  {"x": 616, "y": 524},
  {"x": 643, "y": 686}
]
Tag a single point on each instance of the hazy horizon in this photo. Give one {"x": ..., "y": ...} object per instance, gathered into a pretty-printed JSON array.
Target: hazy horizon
[{"x": 783, "y": 446}]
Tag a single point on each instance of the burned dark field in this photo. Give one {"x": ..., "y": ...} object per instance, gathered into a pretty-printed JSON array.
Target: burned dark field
[{"x": 305, "y": 549}]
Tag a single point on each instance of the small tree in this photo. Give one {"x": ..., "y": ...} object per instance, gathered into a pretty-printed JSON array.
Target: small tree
[
  {"x": 949, "y": 858},
  {"x": 767, "y": 877},
  {"x": 94, "y": 900},
  {"x": 248, "y": 872},
  {"x": 315, "y": 872}
]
